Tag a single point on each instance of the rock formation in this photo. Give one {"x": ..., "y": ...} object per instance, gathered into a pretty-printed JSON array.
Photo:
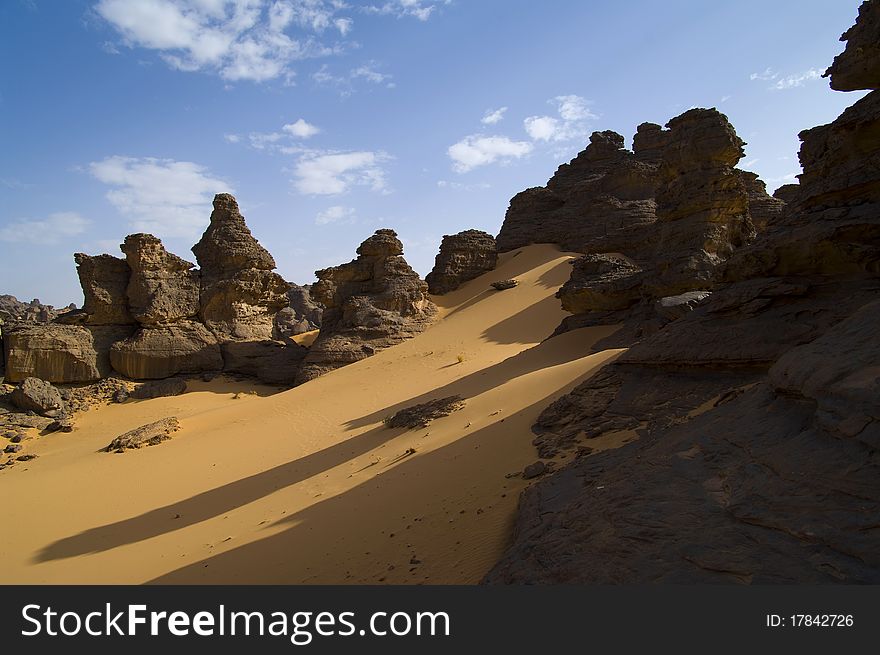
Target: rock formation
[
  {"x": 754, "y": 419},
  {"x": 462, "y": 257},
  {"x": 104, "y": 280},
  {"x": 152, "y": 315},
  {"x": 599, "y": 202},
  {"x": 370, "y": 303},
  {"x": 240, "y": 293},
  {"x": 302, "y": 313},
  {"x": 35, "y": 395}
]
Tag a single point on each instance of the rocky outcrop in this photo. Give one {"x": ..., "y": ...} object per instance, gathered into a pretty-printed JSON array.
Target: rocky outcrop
[
  {"x": 462, "y": 257},
  {"x": 301, "y": 315},
  {"x": 162, "y": 288},
  {"x": 60, "y": 353},
  {"x": 702, "y": 203},
  {"x": 166, "y": 350},
  {"x": 752, "y": 421},
  {"x": 600, "y": 283},
  {"x": 858, "y": 66},
  {"x": 271, "y": 362},
  {"x": 240, "y": 293},
  {"x": 601, "y": 201},
  {"x": 370, "y": 303},
  {"x": 764, "y": 210},
  {"x": 104, "y": 280},
  {"x": 12, "y": 311}
]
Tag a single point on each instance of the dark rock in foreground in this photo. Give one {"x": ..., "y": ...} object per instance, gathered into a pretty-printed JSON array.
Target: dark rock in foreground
[{"x": 419, "y": 416}]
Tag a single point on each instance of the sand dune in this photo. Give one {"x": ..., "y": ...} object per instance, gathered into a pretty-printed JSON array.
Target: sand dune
[{"x": 308, "y": 485}]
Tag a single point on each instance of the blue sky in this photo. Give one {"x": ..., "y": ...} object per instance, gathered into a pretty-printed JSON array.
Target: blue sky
[{"x": 329, "y": 119}]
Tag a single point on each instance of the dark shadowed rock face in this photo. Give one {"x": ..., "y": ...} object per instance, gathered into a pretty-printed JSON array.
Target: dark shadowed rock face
[
  {"x": 370, "y": 303},
  {"x": 858, "y": 66},
  {"x": 649, "y": 142},
  {"x": 787, "y": 193},
  {"x": 162, "y": 288},
  {"x": 601, "y": 201},
  {"x": 104, "y": 281},
  {"x": 36, "y": 395},
  {"x": 600, "y": 283},
  {"x": 462, "y": 257},
  {"x": 301, "y": 315},
  {"x": 756, "y": 414},
  {"x": 702, "y": 202},
  {"x": 240, "y": 294},
  {"x": 764, "y": 210}
]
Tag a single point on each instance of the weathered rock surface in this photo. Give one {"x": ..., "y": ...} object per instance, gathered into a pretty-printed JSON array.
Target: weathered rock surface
[
  {"x": 61, "y": 353},
  {"x": 269, "y": 361},
  {"x": 146, "y": 435},
  {"x": 301, "y": 315},
  {"x": 419, "y": 416},
  {"x": 240, "y": 293},
  {"x": 370, "y": 303},
  {"x": 858, "y": 66},
  {"x": 162, "y": 288},
  {"x": 13, "y": 311},
  {"x": 165, "y": 351},
  {"x": 462, "y": 257},
  {"x": 764, "y": 210},
  {"x": 702, "y": 203},
  {"x": 503, "y": 285},
  {"x": 157, "y": 389},
  {"x": 600, "y": 283},
  {"x": 104, "y": 281},
  {"x": 757, "y": 414},
  {"x": 34, "y": 394},
  {"x": 599, "y": 202}
]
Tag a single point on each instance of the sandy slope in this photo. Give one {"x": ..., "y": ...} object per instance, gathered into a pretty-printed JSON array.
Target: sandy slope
[{"x": 308, "y": 485}]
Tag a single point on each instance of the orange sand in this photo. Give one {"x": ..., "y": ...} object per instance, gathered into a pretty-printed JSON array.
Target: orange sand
[{"x": 308, "y": 485}]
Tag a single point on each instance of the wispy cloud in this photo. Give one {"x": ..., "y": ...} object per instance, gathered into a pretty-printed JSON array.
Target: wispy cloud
[
  {"x": 254, "y": 40},
  {"x": 493, "y": 116},
  {"x": 165, "y": 197},
  {"x": 301, "y": 129},
  {"x": 53, "y": 229},
  {"x": 335, "y": 215},
  {"x": 783, "y": 82},
  {"x": 346, "y": 83}
]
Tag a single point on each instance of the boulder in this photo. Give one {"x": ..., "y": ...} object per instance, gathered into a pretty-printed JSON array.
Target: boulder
[
  {"x": 61, "y": 353},
  {"x": 162, "y": 288},
  {"x": 146, "y": 435},
  {"x": 168, "y": 350},
  {"x": 462, "y": 257},
  {"x": 370, "y": 303},
  {"x": 34, "y": 394},
  {"x": 601, "y": 282}
]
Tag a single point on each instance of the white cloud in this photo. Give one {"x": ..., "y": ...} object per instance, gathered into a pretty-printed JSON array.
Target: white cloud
[
  {"x": 478, "y": 150},
  {"x": 237, "y": 39},
  {"x": 332, "y": 173},
  {"x": 541, "y": 128},
  {"x": 493, "y": 116},
  {"x": 165, "y": 197},
  {"x": 232, "y": 138},
  {"x": 574, "y": 113},
  {"x": 798, "y": 79},
  {"x": 49, "y": 230},
  {"x": 573, "y": 108},
  {"x": 301, "y": 129},
  {"x": 335, "y": 214},
  {"x": 369, "y": 73}
]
